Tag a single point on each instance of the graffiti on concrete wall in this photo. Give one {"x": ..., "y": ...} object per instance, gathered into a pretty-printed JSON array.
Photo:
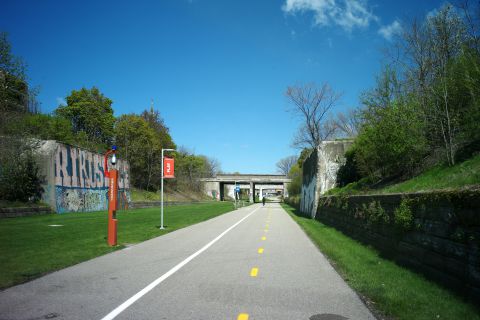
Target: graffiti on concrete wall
[
  {"x": 320, "y": 173},
  {"x": 215, "y": 194},
  {"x": 309, "y": 184},
  {"x": 328, "y": 165},
  {"x": 80, "y": 182}
]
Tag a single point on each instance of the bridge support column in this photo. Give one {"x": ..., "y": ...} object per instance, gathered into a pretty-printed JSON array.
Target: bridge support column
[
  {"x": 285, "y": 190},
  {"x": 252, "y": 193}
]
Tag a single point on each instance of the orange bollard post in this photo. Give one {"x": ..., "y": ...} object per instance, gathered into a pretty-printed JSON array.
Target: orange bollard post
[
  {"x": 112, "y": 208},
  {"x": 112, "y": 198}
]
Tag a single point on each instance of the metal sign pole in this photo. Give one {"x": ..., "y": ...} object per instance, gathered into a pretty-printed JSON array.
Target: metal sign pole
[{"x": 161, "y": 198}]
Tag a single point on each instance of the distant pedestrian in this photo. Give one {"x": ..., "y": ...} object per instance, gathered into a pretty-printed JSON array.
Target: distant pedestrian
[{"x": 263, "y": 200}]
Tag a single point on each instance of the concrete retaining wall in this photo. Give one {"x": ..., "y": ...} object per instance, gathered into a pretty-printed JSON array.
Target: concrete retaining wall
[
  {"x": 157, "y": 204},
  {"x": 23, "y": 211},
  {"x": 442, "y": 241},
  {"x": 75, "y": 179},
  {"x": 320, "y": 173}
]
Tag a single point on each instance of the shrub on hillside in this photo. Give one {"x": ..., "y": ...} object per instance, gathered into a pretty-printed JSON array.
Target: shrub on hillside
[
  {"x": 348, "y": 171},
  {"x": 393, "y": 146},
  {"x": 20, "y": 179}
]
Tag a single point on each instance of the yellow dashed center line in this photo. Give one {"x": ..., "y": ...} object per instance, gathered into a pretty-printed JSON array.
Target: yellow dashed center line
[
  {"x": 266, "y": 230},
  {"x": 242, "y": 316},
  {"x": 264, "y": 238},
  {"x": 254, "y": 272},
  {"x": 260, "y": 250}
]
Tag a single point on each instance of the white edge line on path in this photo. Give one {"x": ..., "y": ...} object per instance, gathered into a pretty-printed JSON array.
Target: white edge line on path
[{"x": 159, "y": 280}]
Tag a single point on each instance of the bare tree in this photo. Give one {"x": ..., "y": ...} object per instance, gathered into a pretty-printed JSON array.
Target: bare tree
[
  {"x": 471, "y": 16},
  {"x": 448, "y": 33},
  {"x": 427, "y": 51},
  {"x": 313, "y": 104},
  {"x": 348, "y": 123},
  {"x": 285, "y": 164},
  {"x": 213, "y": 166}
]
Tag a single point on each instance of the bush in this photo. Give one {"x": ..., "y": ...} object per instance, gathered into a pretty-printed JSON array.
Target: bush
[
  {"x": 293, "y": 201},
  {"x": 348, "y": 172},
  {"x": 394, "y": 145},
  {"x": 295, "y": 187},
  {"x": 403, "y": 215},
  {"x": 19, "y": 173}
]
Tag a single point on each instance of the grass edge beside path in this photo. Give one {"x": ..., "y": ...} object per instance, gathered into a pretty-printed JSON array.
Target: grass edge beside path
[
  {"x": 31, "y": 247},
  {"x": 390, "y": 290}
]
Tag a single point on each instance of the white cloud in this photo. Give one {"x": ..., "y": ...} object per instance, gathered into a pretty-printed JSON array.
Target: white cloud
[
  {"x": 61, "y": 101},
  {"x": 389, "y": 31},
  {"x": 347, "y": 14}
]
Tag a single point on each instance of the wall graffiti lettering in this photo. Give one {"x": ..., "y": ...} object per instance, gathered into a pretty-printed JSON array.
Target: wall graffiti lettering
[
  {"x": 79, "y": 168},
  {"x": 80, "y": 182}
]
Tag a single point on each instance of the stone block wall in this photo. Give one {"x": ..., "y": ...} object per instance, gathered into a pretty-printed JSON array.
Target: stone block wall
[
  {"x": 75, "y": 180},
  {"x": 437, "y": 234},
  {"x": 24, "y": 211}
]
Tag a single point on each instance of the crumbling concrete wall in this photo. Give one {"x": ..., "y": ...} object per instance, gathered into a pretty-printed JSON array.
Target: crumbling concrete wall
[
  {"x": 309, "y": 196},
  {"x": 75, "y": 179},
  {"x": 212, "y": 189},
  {"x": 320, "y": 173}
]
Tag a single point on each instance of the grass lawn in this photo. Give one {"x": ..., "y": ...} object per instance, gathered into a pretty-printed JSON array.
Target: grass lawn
[
  {"x": 29, "y": 247},
  {"x": 464, "y": 174},
  {"x": 393, "y": 290}
]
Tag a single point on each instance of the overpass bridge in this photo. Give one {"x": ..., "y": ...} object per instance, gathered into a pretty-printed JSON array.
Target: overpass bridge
[{"x": 223, "y": 185}]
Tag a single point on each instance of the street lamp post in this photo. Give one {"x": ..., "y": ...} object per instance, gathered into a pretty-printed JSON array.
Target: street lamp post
[
  {"x": 161, "y": 210},
  {"x": 235, "y": 194}
]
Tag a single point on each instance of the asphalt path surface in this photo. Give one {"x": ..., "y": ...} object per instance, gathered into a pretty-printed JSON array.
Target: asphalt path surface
[{"x": 251, "y": 263}]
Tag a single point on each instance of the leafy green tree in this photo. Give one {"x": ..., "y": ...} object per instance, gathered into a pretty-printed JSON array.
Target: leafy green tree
[
  {"x": 138, "y": 145},
  {"x": 189, "y": 168},
  {"x": 90, "y": 112},
  {"x": 9, "y": 63},
  {"x": 13, "y": 85},
  {"x": 49, "y": 127},
  {"x": 465, "y": 92},
  {"x": 393, "y": 146},
  {"x": 156, "y": 122},
  {"x": 162, "y": 140},
  {"x": 20, "y": 179},
  {"x": 295, "y": 187}
]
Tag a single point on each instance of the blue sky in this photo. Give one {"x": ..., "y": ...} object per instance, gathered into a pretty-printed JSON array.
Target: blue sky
[{"x": 216, "y": 70}]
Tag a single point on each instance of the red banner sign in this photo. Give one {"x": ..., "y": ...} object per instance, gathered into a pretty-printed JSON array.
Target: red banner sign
[{"x": 168, "y": 168}]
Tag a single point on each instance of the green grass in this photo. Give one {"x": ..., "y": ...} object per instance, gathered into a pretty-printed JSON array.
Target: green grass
[
  {"x": 29, "y": 247},
  {"x": 356, "y": 187},
  {"x": 441, "y": 177},
  {"x": 393, "y": 290},
  {"x": 461, "y": 175},
  {"x": 143, "y": 195}
]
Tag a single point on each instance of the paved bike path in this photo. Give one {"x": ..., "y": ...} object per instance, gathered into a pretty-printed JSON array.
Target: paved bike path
[{"x": 229, "y": 278}]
